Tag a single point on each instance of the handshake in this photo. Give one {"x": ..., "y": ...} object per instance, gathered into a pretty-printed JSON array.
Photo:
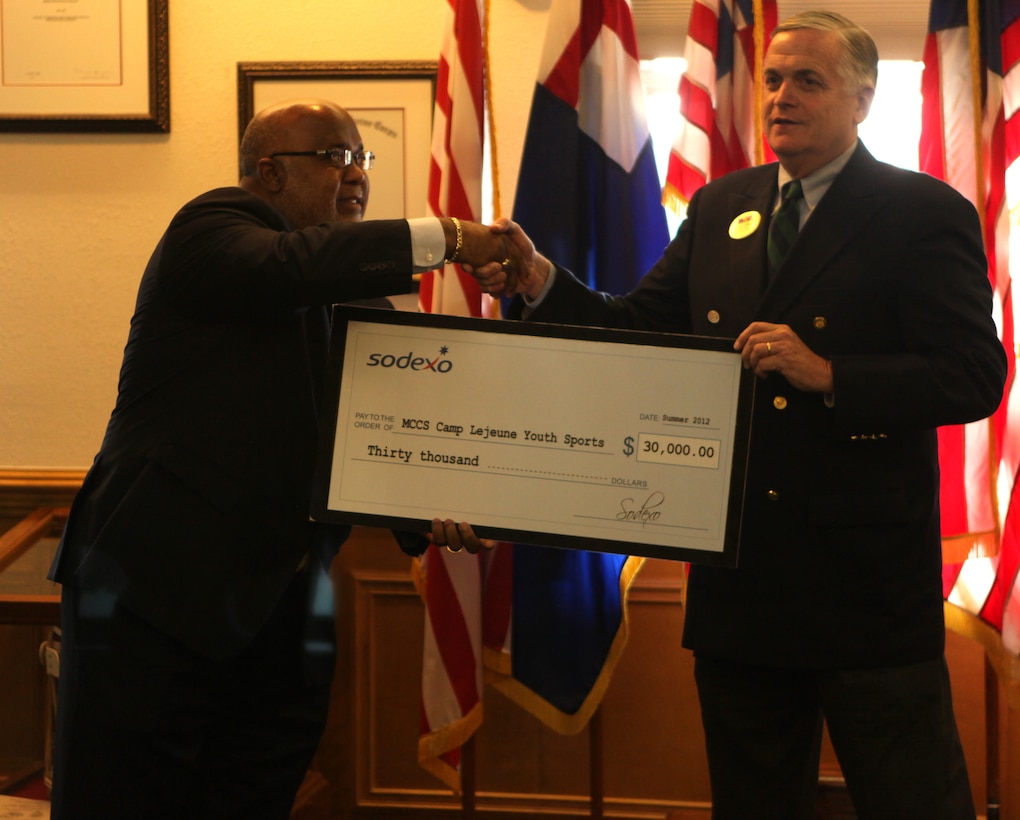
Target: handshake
[{"x": 501, "y": 257}]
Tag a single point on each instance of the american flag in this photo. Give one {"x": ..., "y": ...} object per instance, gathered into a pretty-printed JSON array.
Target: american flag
[
  {"x": 720, "y": 95},
  {"x": 458, "y": 134},
  {"x": 457, "y": 590},
  {"x": 970, "y": 138}
]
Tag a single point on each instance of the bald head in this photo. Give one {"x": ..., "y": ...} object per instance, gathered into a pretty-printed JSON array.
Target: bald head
[{"x": 306, "y": 189}]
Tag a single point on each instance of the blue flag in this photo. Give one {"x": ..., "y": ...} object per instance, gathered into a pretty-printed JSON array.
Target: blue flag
[
  {"x": 588, "y": 192},
  {"x": 589, "y": 196}
]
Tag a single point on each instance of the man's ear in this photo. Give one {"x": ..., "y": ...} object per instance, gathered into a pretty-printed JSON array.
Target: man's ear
[
  {"x": 864, "y": 99},
  {"x": 271, "y": 174}
]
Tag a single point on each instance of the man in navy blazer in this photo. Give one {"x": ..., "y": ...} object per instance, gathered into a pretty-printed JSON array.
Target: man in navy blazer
[
  {"x": 197, "y": 622},
  {"x": 875, "y": 330}
]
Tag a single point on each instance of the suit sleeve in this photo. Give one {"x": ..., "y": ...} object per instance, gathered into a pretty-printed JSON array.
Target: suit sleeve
[
  {"x": 945, "y": 364},
  {"x": 229, "y": 253},
  {"x": 659, "y": 302}
]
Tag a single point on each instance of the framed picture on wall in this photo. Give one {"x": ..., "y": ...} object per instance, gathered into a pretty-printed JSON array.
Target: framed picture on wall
[
  {"x": 87, "y": 66},
  {"x": 390, "y": 101}
]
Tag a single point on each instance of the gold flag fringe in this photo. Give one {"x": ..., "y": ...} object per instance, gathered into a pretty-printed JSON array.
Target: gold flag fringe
[
  {"x": 1006, "y": 664},
  {"x": 498, "y": 672}
]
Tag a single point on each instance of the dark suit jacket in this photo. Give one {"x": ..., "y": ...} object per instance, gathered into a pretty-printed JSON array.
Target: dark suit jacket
[
  {"x": 195, "y": 512},
  {"x": 839, "y": 561}
]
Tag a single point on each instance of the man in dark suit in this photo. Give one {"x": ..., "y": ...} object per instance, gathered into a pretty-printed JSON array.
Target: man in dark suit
[
  {"x": 874, "y": 330},
  {"x": 197, "y": 615}
]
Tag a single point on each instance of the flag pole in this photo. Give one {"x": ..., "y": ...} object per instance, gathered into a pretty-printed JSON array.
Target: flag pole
[
  {"x": 991, "y": 679},
  {"x": 467, "y": 779},
  {"x": 494, "y": 304},
  {"x": 595, "y": 763},
  {"x": 991, "y": 740},
  {"x": 974, "y": 44},
  {"x": 758, "y": 72},
  {"x": 468, "y": 759},
  {"x": 487, "y": 74}
]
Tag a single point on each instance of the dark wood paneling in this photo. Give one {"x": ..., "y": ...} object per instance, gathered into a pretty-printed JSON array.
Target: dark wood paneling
[{"x": 653, "y": 764}]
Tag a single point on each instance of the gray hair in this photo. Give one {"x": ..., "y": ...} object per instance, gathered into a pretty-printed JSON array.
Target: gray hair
[
  {"x": 253, "y": 146},
  {"x": 858, "y": 64}
]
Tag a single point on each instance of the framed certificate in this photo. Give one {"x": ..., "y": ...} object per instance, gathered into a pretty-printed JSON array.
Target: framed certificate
[
  {"x": 391, "y": 103},
  {"x": 85, "y": 66},
  {"x": 574, "y": 437}
]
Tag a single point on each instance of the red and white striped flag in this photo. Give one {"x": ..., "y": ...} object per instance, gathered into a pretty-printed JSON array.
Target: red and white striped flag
[
  {"x": 970, "y": 137},
  {"x": 466, "y": 597},
  {"x": 458, "y": 135},
  {"x": 720, "y": 95}
]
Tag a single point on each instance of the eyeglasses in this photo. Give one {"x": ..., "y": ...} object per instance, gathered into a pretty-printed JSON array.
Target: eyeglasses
[{"x": 338, "y": 157}]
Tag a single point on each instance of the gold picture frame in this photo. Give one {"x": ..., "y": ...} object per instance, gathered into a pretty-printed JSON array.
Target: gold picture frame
[{"x": 98, "y": 66}]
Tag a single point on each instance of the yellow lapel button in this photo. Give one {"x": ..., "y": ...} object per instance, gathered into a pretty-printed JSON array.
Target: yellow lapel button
[{"x": 745, "y": 224}]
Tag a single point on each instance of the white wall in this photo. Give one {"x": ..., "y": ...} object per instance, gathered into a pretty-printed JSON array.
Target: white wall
[{"x": 81, "y": 213}]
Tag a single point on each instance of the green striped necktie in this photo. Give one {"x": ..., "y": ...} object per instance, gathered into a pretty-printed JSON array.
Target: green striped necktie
[{"x": 784, "y": 226}]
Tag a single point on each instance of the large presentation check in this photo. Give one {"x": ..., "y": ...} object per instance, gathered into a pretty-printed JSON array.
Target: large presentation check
[{"x": 577, "y": 437}]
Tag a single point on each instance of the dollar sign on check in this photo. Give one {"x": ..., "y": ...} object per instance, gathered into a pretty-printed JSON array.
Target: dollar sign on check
[{"x": 628, "y": 445}]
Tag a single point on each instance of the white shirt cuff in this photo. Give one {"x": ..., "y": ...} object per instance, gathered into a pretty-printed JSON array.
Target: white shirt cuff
[{"x": 428, "y": 243}]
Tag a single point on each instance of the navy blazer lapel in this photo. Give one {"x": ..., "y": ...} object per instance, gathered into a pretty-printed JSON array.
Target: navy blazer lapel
[
  {"x": 746, "y": 249},
  {"x": 849, "y": 204}
]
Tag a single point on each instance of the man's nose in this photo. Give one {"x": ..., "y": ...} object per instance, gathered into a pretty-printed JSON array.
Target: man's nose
[
  {"x": 783, "y": 95},
  {"x": 354, "y": 172}
]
